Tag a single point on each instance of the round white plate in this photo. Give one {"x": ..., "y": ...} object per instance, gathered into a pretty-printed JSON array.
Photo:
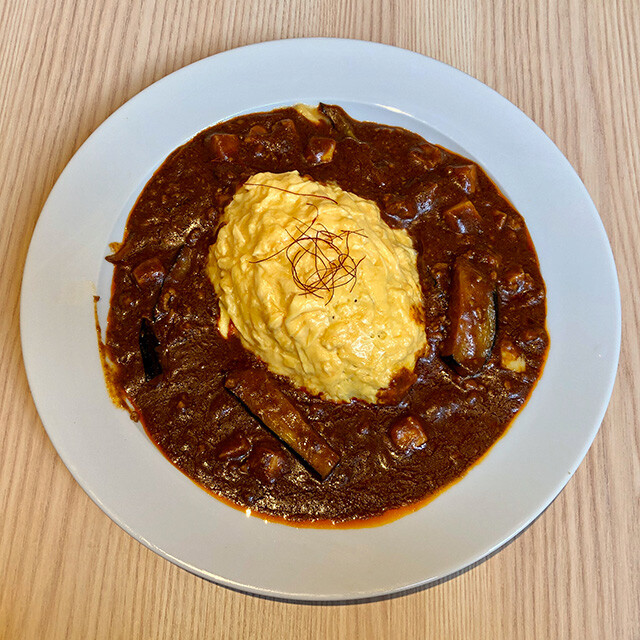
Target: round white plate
[{"x": 130, "y": 480}]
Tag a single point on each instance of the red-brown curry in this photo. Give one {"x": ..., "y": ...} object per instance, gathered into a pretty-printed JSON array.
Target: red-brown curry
[{"x": 252, "y": 437}]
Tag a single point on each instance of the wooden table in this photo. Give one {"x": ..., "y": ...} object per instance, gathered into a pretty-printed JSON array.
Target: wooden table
[{"x": 66, "y": 571}]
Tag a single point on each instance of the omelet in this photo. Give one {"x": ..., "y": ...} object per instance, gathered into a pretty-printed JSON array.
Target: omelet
[{"x": 318, "y": 286}]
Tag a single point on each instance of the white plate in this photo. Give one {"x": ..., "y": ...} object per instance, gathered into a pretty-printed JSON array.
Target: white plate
[{"x": 132, "y": 482}]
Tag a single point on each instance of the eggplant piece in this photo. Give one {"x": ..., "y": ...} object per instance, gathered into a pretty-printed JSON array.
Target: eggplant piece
[
  {"x": 122, "y": 251},
  {"x": 256, "y": 389},
  {"x": 472, "y": 317},
  {"x": 149, "y": 351},
  {"x": 179, "y": 270},
  {"x": 342, "y": 123}
]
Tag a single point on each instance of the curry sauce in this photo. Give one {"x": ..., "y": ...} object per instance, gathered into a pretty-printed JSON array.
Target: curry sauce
[{"x": 484, "y": 311}]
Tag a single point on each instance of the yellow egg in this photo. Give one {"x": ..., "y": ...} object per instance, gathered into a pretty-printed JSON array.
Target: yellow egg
[{"x": 318, "y": 286}]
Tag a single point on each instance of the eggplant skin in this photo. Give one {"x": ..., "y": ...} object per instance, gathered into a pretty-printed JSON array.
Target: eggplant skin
[
  {"x": 472, "y": 317},
  {"x": 149, "y": 351},
  {"x": 342, "y": 123},
  {"x": 263, "y": 398}
]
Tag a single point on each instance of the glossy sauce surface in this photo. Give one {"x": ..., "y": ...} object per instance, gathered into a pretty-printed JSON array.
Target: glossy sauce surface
[{"x": 391, "y": 455}]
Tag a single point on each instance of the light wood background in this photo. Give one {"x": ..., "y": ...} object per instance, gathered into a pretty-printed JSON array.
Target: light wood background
[{"x": 66, "y": 571}]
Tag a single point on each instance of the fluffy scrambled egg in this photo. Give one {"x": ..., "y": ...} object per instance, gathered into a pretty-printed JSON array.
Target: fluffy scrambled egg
[{"x": 318, "y": 286}]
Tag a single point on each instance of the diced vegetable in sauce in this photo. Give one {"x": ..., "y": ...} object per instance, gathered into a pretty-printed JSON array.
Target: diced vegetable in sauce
[
  {"x": 463, "y": 218},
  {"x": 225, "y": 146},
  {"x": 464, "y": 176},
  {"x": 149, "y": 273},
  {"x": 407, "y": 434},
  {"x": 320, "y": 150},
  {"x": 512, "y": 358}
]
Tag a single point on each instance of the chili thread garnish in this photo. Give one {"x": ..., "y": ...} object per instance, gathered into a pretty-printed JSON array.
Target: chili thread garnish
[
  {"x": 270, "y": 186},
  {"x": 332, "y": 266}
]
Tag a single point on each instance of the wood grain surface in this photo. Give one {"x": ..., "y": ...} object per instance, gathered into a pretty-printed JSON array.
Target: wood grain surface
[{"x": 66, "y": 571}]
